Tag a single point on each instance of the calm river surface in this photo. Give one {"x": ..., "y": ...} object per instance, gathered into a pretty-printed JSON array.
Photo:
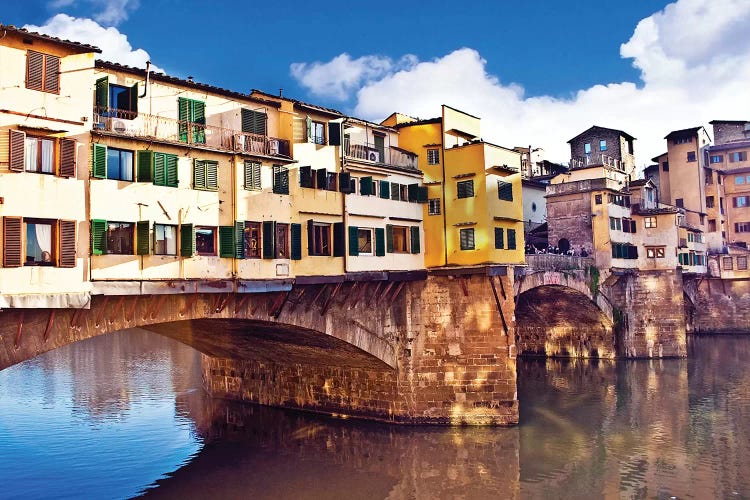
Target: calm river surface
[{"x": 124, "y": 415}]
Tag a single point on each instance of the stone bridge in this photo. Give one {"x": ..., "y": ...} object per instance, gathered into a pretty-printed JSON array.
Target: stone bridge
[{"x": 402, "y": 348}]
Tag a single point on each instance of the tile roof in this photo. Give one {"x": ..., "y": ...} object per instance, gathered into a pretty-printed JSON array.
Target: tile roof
[{"x": 81, "y": 47}]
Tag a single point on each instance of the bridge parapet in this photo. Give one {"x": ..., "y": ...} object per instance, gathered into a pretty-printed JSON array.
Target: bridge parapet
[{"x": 554, "y": 262}]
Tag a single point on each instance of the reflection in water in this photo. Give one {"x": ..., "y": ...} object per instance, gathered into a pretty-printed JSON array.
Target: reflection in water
[{"x": 124, "y": 414}]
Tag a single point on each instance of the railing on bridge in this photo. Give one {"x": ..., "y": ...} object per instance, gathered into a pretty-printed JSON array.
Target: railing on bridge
[{"x": 554, "y": 262}]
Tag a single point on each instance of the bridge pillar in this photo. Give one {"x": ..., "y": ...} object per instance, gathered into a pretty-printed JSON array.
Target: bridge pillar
[{"x": 649, "y": 314}]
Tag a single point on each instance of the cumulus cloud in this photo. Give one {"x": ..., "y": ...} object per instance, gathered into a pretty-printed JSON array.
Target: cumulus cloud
[
  {"x": 115, "y": 46},
  {"x": 693, "y": 60},
  {"x": 341, "y": 75},
  {"x": 108, "y": 12}
]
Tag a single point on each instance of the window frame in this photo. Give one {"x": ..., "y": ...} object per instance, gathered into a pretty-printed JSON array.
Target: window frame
[
  {"x": 281, "y": 240},
  {"x": 433, "y": 156},
  {"x": 466, "y": 239},
  {"x": 322, "y": 233},
  {"x": 602, "y": 145},
  {"x": 250, "y": 228},
  {"x": 52, "y": 223},
  {"x": 655, "y": 252},
  {"x": 214, "y": 232},
  {"x": 156, "y": 239},
  {"x": 432, "y": 203},
  {"x": 40, "y": 140},
  {"x": 467, "y": 191},
  {"x": 132, "y": 164},
  {"x": 130, "y": 226},
  {"x": 650, "y": 222},
  {"x": 405, "y": 230},
  {"x": 371, "y": 236}
]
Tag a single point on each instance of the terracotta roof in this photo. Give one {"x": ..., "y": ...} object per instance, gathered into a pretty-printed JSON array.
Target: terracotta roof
[
  {"x": 188, "y": 83},
  {"x": 683, "y": 132},
  {"x": 80, "y": 47},
  {"x": 597, "y": 127},
  {"x": 714, "y": 122},
  {"x": 299, "y": 103}
]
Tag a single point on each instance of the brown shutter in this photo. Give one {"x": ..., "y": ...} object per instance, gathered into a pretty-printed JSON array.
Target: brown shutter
[
  {"x": 12, "y": 244},
  {"x": 67, "y": 231},
  {"x": 34, "y": 70},
  {"x": 17, "y": 140},
  {"x": 67, "y": 158},
  {"x": 52, "y": 74}
]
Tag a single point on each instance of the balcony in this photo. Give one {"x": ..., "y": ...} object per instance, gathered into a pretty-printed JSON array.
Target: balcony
[
  {"x": 392, "y": 156},
  {"x": 160, "y": 128},
  {"x": 596, "y": 159}
]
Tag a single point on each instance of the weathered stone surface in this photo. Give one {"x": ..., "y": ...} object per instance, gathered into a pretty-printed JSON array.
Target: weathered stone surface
[{"x": 720, "y": 306}]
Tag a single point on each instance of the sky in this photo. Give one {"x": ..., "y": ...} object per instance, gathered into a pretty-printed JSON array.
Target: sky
[{"x": 537, "y": 72}]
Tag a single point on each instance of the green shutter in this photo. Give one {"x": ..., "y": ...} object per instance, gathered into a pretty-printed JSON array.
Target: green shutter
[
  {"x": 269, "y": 239},
  {"x": 499, "y": 240},
  {"x": 239, "y": 240},
  {"x": 98, "y": 237},
  {"x": 134, "y": 100},
  {"x": 160, "y": 169},
  {"x": 353, "y": 241},
  {"x": 345, "y": 182},
  {"x": 296, "y": 237},
  {"x": 415, "y": 239},
  {"x": 379, "y": 242},
  {"x": 183, "y": 115},
  {"x": 142, "y": 241},
  {"x": 99, "y": 161},
  {"x": 187, "y": 240},
  {"x": 145, "y": 166},
  {"x": 413, "y": 190},
  {"x": 102, "y": 94},
  {"x": 385, "y": 189},
  {"x": 365, "y": 186},
  {"x": 171, "y": 170},
  {"x": 511, "y": 239},
  {"x": 226, "y": 242},
  {"x": 389, "y": 238},
  {"x": 199, "y": 174},
  {"x": 310, "y": 237},
  {"x": 198, "y": 116},
  {"x": 339, "y": 240}
]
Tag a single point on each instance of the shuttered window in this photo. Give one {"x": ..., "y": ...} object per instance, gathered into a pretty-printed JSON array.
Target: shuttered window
[
  {"x": 192, "y": 116},
  {"x": 511, "y": 239},
  {"x": 67, "y": 232},
  {"x": 226, "y": 242},
  {"x": 12, "y": 243},
  {"x": 253, "y": 122},
  {"x": 16, "y": 150},
  {"x": 269, "y": 239},
  {"x": 366, "y": 186},
  {"x": 159, "y": 168},
  {"x": 187, "y": 240},
  {"x": 467, "y": 238},
  {"x": 339, "y": 241},
  {"x": 98, "y": 237},
  {"x": 499, "y": 238},
  {"x": 206, "y": 175},
  {"x": 505, "y": 190},
  {"x": 465, "y": 189},
  {"x": 252, "y": 176},
  {"x": 379, "y": 241},
  {"x": 67, "y": 158},
  {"x": 353, "y": 241},
  {"x": 142, "y": 239},
  {"x": 280, "y": 179},
  {"x": 42, "y": 72},
  {"x": 415, "y": 248},
  {"x": 99, "y": 161},
  {"x": 252, "y": 240},
  {"x": 296, "y": 237}
]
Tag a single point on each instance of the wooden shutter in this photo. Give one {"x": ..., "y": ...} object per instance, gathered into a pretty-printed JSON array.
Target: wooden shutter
[
  {"x": 296, "y": 237},
  {"x": 379, "y": 241},
  {"x": 422, "y": 194},
  {"x": 415, "y": 239},
  {"x": 269, "y": 239},
  {"x": 17, "y": 148},
  {"x": 187, "y": 240},
  {"x": 34, "y": 70},
  {"x": 334, "y": 134},
  {"x": 345, "y": 182},
  {"x": 389, "y": 238},
  {"x": 226, "y": 241},
  {"x": 134, "y": 100},
  {"x": 99, "y": 161},
  {"x": 310, "y": 237},
  {"x": 385, "y": 189},
  {"x": 98, "y": 237},
  {"x": 239, "y": 239},
  {"x": 51, "y": 73},
  {"x": 142, "y": 240},
  {"x": 499, "y": 238},
  {"x": 68, "y": 158},
  {"x": 145, "y": 166},
  {"x": 67, "y": 255},
  {"x": 339, "y": 240},
  {"x": 365, "y": 186},
  {"x": 353, "y": 241},
  {"x": 102, "y": 94},
  {"x": 199, "y": 174},
  {"x": 511, "y": 239},
  {"x": 12, "y": 243},
  {"x": 305, "y": 177},
  {"x": 183, "y": 115},
  {"x": 321, "y": 176}
]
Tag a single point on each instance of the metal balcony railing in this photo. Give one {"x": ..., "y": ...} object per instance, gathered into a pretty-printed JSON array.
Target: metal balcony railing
[
  {"x": 388, "y": 155},
  {"x": 140, "y": 125}
]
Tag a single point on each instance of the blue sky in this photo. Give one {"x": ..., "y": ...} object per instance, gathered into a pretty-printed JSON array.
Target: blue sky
[{"x": 537, "y": 72}]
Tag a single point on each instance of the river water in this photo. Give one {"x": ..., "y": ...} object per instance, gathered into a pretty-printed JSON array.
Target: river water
[{"x": 123, "y": 415}]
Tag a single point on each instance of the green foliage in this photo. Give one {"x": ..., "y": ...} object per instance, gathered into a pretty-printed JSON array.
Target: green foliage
[{"x": 593, "y": 273}]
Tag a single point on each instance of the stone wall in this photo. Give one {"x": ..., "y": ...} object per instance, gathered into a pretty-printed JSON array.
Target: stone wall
[{"x": 722, "y": 306}]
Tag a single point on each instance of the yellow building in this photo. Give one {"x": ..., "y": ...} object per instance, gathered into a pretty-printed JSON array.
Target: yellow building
[
  {"x": 45, "y": 117},
  {"x": 474, "y": 213}
]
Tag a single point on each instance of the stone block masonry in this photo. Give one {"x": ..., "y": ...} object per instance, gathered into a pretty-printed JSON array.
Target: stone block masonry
[{"x": 721, "y": 306}]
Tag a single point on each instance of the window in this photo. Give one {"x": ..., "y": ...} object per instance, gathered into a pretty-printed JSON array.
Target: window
[
  {"x": 116, "y": 100},
  {"x": 42, "y": 72},
  {"x": 165, "y": 239},
  {"x": 691, "y": 156},
  {"x": 505, "y": 190},
  {"x": 321, "y": 239},
  {"x": 615, "y": 224},
  {"x": 742, "y": 227},
  {"x": 741, "y": 263},
  {"x": 282, "y": 241},
  {"x": 39, "y": 155},
  {"x": 738, "y": 156},
  {"x": 399, "y": 239},
  {"x": 280, "y": 179},
  {"x": 628, "y": 225},
  {"x": 716, "y": 158},
  {"x": 655, "y": 252},
  {"x": 598, "y": 199},
  {"x": 364, "y": 241},
  {"x": 331, "y": 178},
  {"x": 252, "y": 176},
  {"x": 159, "y": 168},
  {"x": 679, "y": 202},
  {"x": 206, "y": 175},
  {"x": 192, "y": 117},
  {"x": 40, "y": 236},
  {"x": 624, "y": 251},
  {"x": 120, "y": 238},
  {"x": 499, "y": 238},
  {"x": 511, "y": 239},
  {"x": 711, "y": 225},
  {"x": 433, "y": 156},
  {"x": 709, "y": 202},
  {"x": 602, "y": 145},
  {"x": 48, "y": 242},
  {"x": 467, "y": 239},
  {"x": 315, "y": 132},
  {"x": 395, "y": 191},
  {"x": 404, "y": 192},
  {"x": 709, "y": 176},
  {"x": 682, "y": 140},
  {"x": 726, "y": 263},
  {"x": 740, "y": 201},
  {"x": 119, "y": 164},
  {"x": 465, "y": 189},
  {"x": 253, "y": 122},
  {"x": 665, "y": 166},
  {"x": 205, "y": 240},
  {"x": 433, "y": 206},
  {"x": 649, "y": 222},
  {"x": 739, "y": 179},
  {"x": 252, "y": 240},
  {"x": 587, "y": 148}
]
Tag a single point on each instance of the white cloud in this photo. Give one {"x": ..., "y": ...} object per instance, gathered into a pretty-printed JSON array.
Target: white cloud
[
  {"x": 107, "y": 12},
  {"x": 694, "y": 59},
  {"x": 115, "y": 46}
]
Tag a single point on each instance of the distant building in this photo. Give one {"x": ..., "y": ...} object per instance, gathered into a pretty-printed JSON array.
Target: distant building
[{"x": 603, "y": 146}]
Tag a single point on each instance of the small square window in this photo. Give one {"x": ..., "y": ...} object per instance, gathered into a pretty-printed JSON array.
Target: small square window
[
  {"x": 598, "y": 199},
  {"x": 587, "y": 148},
  {"x": 467, "y": 239},
  {"x": 465, "y": 189},
  {"x": 433, "y": 206},
  {"x": 726, "y": 263},
  {"x": 649, "y": 222},
  {"x": 691, "y": 156},
  {"x": 602, "y": 145},
  {"x": 433, "y": 156}
]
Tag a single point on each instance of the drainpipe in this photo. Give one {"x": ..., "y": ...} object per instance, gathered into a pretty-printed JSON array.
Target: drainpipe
[
  {"x": 148, "y": 75},
  {"x": 235, "y": 263},
  {"x": 344, "y": 211},
  {"x": 445, "y": 200}
]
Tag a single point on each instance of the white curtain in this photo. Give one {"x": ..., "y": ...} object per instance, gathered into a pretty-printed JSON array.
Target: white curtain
[
  {"x": 48, "y": 155},
  {"x": 44, "y": 237}
]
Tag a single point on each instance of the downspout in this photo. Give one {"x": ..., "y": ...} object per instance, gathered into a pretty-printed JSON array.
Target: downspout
[
  {"x": 235, "y": 263},
  {"x": 445, "y": 200},
  {"x": 344, "y": 211},
  {"x": 148, "y": 75}
]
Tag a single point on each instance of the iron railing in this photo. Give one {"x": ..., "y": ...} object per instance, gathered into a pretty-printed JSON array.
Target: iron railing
[
  {"x": 387, "y": 155},
  {"x": 555, "y": 262}
]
